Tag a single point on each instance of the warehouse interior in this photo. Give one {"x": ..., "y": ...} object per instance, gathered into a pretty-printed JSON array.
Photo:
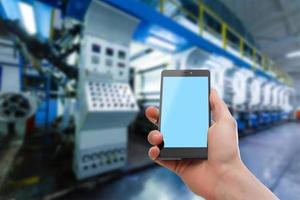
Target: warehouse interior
[{"x": 77, "y": 76}]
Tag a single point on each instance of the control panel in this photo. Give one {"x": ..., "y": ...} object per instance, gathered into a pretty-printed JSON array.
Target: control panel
[
  {"x": 110, "y": 97},
  {"x": 99, "y": 160},
  {"x": 106, "y": 105},
  {"x": 105, "y": 57}
]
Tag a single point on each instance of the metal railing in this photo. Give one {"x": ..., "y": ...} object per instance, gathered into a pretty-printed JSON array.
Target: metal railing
[{"x": 229, "y": 37}]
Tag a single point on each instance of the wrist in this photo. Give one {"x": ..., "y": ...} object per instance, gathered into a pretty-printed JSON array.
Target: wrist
[
  {"x": 237, "y": 182},
  {"x": 230, "y": 180}
]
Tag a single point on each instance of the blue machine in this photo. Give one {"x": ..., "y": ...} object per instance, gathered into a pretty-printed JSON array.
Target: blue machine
[
  {"x": 266, "y": 118},
  {"x": 43, "y": 117},
  {"x": 253, "y": 120},
  {"x": 241, "y": 124}
]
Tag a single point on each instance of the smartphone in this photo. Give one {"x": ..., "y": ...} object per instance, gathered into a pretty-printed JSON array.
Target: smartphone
[{"x": 184, "y": 114}]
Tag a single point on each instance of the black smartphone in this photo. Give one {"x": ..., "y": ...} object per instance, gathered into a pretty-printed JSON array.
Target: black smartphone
[{"x": 184, "y": 114}]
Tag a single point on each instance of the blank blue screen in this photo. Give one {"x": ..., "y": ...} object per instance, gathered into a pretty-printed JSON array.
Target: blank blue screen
[{"x": 185, "y": 111}]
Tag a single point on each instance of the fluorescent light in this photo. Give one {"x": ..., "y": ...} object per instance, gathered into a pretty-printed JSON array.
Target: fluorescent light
[
  {"x": 28, "y": 17},
  {"x": 293, "y": 54},
  {"x": 72, "y": 58},
  {"x": 161, "y": 43}
]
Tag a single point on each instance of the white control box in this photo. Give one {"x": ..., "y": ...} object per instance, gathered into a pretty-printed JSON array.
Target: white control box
[
  {"x": 106, "y": 104},
  {"x": 105, "y": 58}
]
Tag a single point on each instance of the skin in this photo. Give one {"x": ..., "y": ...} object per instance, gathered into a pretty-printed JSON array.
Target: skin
[{"x": 223, "y": 175}]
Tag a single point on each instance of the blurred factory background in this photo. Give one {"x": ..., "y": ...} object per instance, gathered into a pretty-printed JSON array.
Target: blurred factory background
[{"x": 76, "y": 77}]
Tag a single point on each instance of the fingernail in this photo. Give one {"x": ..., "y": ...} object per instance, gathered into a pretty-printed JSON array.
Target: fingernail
[
  {"x": 152, "y": 158},
  {"x": 154, "y": 121}
]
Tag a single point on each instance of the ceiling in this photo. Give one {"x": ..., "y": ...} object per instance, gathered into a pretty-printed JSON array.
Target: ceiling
[{"x": 275, "y": 25}]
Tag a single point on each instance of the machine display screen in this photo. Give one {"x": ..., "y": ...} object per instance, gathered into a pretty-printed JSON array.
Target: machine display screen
[
  {"x": 96, "y": 48},
  {"x": 121, "y": 54},
  {"x": 109, "y": 52},
  {"x": 185, "y": 111},
  {"x": 121, "y": 65}
]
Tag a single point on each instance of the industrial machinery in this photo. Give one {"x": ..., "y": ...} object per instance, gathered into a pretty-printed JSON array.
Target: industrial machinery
[
  {"x": 255, "y": 98},
  {"x": 147, "y": 64},
  {"x": 15, "y": 106},
  {"x": 287, "y": 99},
  {"x": 266, "y": 103},
  {"x": 195, "y": 58},
  {"x": 100, "y": 62},
  {"x": 252, "y": 99},
  {"x": 106, "y": 102},
  {"x": 237, "y": 81},
  {"x": 250, "y": 118},
  {"x": 15, "y": 109},
  {"x": 218, "y": 66},
  {"x": 275, "y": 111}
]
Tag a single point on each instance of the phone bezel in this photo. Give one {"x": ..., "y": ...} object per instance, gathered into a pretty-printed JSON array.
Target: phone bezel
[{"x": 167, "y": 153}]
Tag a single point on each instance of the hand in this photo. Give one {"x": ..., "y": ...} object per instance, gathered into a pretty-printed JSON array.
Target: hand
[
  {"x": 202, "y": 175},
  {"x": 207, "y": 178}
]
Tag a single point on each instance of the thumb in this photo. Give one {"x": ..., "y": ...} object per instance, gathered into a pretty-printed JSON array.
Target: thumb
[{"x": 218, "y": 107}]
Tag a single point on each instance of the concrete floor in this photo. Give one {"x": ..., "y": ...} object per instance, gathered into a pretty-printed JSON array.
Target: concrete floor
[{"x": 272, "y": 155}]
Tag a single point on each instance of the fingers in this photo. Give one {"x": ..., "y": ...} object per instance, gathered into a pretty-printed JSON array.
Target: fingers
[
  {"x": 152, "y": 113},
  {"x": 155, "y": 137},
  {"x": 219, "y": 108},
  {"x": 153, "y": 152}
]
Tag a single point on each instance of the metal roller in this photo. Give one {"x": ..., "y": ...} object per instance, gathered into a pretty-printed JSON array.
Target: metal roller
[{"x": 15, "y": 107}]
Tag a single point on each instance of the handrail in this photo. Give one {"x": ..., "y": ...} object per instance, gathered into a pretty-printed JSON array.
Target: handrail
[{"x": 266, "y": 63}]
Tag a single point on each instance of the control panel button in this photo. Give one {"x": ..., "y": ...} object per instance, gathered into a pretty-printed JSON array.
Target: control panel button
[{"x": 112, "y": 96}]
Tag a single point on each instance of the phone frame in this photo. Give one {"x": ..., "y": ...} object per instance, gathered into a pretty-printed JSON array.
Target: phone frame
[{"x": 174, "y": 153}]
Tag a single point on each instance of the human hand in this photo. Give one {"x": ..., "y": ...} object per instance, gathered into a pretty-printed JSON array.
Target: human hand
[{"x": 207, "y": 178}]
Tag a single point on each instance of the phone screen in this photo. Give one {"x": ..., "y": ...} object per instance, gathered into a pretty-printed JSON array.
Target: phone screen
[{"x": 185, "y": 111}]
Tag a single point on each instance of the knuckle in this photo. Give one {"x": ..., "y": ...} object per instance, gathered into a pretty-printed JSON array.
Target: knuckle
[
  {"x": 153, "y": 132},
  {"x": 149, "y": 136},
  {"x": 231, "y": 121}
]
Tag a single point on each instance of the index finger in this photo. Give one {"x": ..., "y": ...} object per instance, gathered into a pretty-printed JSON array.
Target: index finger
[
  {"x": 219, "y": 108},
  {"x": 152, "y": 113}
]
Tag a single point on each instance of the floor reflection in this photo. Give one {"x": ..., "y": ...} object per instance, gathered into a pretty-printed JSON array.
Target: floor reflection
[
  {"x": 154, "y": 183},
  {"x": 271, "y": 155}
]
